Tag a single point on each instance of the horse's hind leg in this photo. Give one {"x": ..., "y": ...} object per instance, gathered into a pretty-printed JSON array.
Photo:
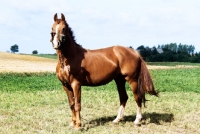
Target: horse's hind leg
[
  {"x": 138, "y": 99},
  {"x": 120, "y": 81}
]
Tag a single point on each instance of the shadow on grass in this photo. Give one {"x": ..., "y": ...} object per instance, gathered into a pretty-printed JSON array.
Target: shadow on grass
[{"x": 156, "y": 118}]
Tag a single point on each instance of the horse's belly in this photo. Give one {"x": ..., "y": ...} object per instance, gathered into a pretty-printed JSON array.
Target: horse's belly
[{"x": 98, "y": 79}]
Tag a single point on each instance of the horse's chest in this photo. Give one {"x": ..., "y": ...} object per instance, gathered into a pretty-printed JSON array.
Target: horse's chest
[{"x": 63, "y": 74}]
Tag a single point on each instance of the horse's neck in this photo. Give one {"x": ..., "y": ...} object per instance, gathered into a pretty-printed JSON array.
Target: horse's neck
[{"x": 68, "y": 54}]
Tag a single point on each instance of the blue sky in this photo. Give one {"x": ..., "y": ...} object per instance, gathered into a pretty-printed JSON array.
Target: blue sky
[{"x": 98, "y": 24}]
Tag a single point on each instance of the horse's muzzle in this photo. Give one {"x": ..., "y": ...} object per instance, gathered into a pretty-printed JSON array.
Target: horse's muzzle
[
  {"x": 57, "y": 45},
  {"x": 57, "y": 40}
]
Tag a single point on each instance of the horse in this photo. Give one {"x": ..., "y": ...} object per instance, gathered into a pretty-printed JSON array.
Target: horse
[{"x": 78, "y": 67}]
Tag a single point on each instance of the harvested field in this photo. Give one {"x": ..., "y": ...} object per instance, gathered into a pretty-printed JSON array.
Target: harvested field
[{"x": 26, "y": 63}]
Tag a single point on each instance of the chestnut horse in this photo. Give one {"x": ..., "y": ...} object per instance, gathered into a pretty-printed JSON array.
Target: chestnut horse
[{"x": 78, "y": 66}]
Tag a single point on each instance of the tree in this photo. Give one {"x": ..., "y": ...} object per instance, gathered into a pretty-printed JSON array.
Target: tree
[
  {"x": 171, "y": 52},
  {"x": 14, "y": 48},
  {"x": 145, "y": 52},
  {"x": 131, "y": 47},
  {"x": 35, "y": 52}
]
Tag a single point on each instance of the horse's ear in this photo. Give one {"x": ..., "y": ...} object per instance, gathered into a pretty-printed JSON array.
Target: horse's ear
[
  {"x": 62, "y": 17},
  {"x": 55, "y": 17}
]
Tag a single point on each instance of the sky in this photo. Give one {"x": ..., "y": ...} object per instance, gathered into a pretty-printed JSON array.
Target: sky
[{"x": 100, "y": 24}]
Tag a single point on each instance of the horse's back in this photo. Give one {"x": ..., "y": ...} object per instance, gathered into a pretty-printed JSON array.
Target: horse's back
[
  {"x": 119, "y": 51},
  {"x": 125, "y": 52}
]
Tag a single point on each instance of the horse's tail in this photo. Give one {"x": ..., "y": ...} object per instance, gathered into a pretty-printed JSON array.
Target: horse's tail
[{"x": 145, "y": 82}]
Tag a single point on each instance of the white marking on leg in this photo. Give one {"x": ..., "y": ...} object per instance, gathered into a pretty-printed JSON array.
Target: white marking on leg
[
  {"x": 120, "y": 115},
  {"x": 138, "y": 116},
  {"x": 55, "y": 41}
]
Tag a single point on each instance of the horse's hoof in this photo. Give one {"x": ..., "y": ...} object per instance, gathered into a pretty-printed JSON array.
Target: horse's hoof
[
  {"x": 72, "y": 124},
  {"x": 137, "y": 124},
  {"x": 78, "y": 128},
  {"x": 115, "y": 123}
]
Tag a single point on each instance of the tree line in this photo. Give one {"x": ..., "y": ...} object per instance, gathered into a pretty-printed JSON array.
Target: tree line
[
  {"x": 162, "y": 53},
  {"x": 170, "y": 53}
]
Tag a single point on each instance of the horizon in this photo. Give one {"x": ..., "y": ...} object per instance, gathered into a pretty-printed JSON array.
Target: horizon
[{"x": 100, "y": 48}]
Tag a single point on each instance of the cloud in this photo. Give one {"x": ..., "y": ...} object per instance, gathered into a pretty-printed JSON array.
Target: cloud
[{"x": 98, "y": 24}]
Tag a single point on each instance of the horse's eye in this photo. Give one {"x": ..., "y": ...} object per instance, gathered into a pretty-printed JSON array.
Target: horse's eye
[
  {"x": 63, "y": 30},
  {"x": 53, "y": 34}
]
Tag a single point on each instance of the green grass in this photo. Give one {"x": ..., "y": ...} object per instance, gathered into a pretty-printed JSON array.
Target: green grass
[
  {"x": 173, "y": 63},
  {"x": 51, "y": 56},
  {"x": 177, "y": 80},
  {"x": 36, "y": 103},
  {"x": 28, "y": 82},
  {"x": 169, "y": 80},
  {"x": 48, "y": 112}
]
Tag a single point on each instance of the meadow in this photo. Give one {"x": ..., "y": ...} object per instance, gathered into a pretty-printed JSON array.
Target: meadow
[{"x": 34, "y": 102}]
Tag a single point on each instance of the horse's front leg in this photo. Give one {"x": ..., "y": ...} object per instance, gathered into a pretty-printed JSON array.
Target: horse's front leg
[
  {"x": 76, "y": 86},
  {"x": 70, "y": 95}
]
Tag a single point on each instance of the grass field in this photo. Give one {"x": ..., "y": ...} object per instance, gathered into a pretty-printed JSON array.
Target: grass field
[
  {"x": 51, "y": 56},
  {"x": 173, "y": 64},
  {"x": 34, "y": 102}
]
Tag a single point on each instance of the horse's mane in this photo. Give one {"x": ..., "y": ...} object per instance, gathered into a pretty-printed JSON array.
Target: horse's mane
[{"x": 71, "y": 33}]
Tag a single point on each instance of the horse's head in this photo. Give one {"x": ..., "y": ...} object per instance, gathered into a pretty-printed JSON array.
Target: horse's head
[{"x": 58, "y": 33}]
